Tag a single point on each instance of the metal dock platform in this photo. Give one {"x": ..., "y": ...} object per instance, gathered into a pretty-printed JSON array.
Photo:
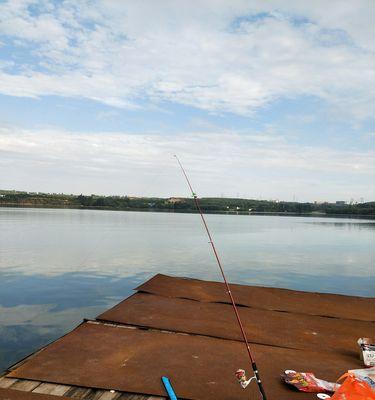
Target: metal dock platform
[{"x": 185, "y": 329}]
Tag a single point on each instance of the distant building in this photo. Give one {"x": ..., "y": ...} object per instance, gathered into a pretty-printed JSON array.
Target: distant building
[
  {"x": 174, "y": 200},
  {"x": 340, "y": 203}
]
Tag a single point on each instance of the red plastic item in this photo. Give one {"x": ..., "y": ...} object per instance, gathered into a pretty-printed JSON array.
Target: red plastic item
[
  {"x": 308, "y": 382},
  {"x": 353, "y": 389}
]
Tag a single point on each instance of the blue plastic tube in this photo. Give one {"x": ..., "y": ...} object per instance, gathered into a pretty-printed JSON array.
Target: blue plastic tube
[{"x": 168, "y": 388}]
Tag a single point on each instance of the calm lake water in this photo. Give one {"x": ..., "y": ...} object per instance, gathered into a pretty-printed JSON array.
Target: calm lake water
[{"x": 59, "y": 266}]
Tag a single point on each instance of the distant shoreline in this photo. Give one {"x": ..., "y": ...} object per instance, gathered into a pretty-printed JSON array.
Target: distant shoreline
[
  {"x": 213, "y": 205},
  {"x": 177, "y": 211}
]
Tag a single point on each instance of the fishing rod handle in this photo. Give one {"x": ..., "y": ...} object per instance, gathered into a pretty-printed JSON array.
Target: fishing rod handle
[{"x": 259, "y": 381}]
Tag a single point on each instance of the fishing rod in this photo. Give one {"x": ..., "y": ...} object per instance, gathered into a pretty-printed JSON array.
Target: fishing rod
[{"x": 251, "y": 357}]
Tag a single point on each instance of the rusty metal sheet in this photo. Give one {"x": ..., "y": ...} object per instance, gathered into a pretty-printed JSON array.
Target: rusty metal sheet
[
  {"x": 331, "y": 305},
  {"x": 262, "y": 326},
  {"x": 133, "y": 360},
  {"x": 10, "y": 394}
]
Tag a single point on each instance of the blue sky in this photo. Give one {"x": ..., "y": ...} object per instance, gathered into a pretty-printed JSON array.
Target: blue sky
[{"x": 260, "y": 99}]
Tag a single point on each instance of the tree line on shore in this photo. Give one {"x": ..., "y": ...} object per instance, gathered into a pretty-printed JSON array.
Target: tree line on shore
[{"x": 208, "y": 204}]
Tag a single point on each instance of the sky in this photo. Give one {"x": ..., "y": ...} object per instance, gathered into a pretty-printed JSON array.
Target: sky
[{"x": 259, "y": 99}]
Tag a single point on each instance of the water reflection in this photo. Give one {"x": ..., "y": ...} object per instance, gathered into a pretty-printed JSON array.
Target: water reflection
[
  {"x": 60, "y": 266},
  {"x": 345, "y": 225},
  {"x": 37, "y": 309},
  {"x": 18, "y": 341}
]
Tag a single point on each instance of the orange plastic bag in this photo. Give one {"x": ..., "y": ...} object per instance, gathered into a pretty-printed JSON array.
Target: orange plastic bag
[{"x": 353, "y": 389}]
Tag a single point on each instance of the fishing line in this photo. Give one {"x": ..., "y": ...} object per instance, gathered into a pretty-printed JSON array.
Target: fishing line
[{"x": 251, "y": 357}]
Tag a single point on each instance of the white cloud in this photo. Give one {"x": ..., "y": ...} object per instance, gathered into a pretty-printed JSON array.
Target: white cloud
[
  {"x": 121, "y": 163},
  {"x": 22, "y": 314},
  {"x": 204, "y": 54},
  {"x": 39, "y": 315}
]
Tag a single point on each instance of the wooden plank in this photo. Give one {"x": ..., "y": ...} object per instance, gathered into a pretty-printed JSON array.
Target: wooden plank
[
  {"x": 132, "y": 396},
  {"x": 6, "y": 382},
  {"x": 99, "y": 393},
  {"x": 107, "y": 395},
  {"x": 94, "y": 395},
  {"x": 12, "y": 394},
  {"x": 51, "y": 388},
  {"x": 60, "y": 390},
  {"x": 25, "y": 385},
  {"x": 78, "y": 392},
  {"x": 156, "y": 398},
  {"x": 44, "y": 388},
  {"x": 87, "y": 394}
]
